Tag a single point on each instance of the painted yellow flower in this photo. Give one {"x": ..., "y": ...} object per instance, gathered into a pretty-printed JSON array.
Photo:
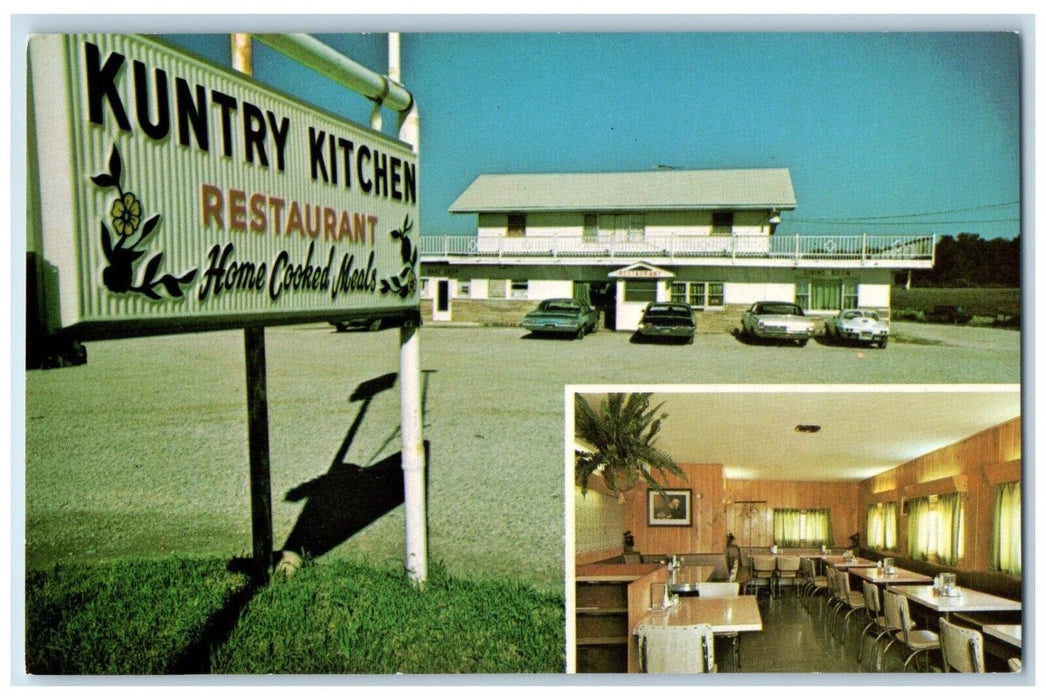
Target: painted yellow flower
[{"x": 126, "y": 213}]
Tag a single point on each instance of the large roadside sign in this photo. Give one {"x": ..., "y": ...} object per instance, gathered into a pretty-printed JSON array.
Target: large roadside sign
[{"x": 175, "y": 194}]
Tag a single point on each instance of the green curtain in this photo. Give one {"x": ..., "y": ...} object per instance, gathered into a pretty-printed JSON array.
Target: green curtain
[
  {"x": 1006, "y": 529},
  {"x": 889, "y": 519},
  {"x": 787, "y": 527},
  {"x": 873, "y": 525},
  {"x": 919, "y": 528},
  {"x": 819, "y": 527},
  {"x": 950, "y": 511}
]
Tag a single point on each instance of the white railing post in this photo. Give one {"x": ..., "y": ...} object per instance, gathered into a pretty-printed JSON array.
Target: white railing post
[{"x": 864, "y": 247}]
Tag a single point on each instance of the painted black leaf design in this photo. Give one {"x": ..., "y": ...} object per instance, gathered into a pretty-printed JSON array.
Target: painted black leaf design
[
  {"x": 149, "y": 225},
  {"x": 115, "y": 165},
  {"x": 103, "y": 180},
  {"x": 107, "y": 244},
  {"x": 151, "y": 268}
]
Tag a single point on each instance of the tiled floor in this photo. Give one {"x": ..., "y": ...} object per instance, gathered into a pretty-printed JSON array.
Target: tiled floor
[{"x": 794, "y": 641}]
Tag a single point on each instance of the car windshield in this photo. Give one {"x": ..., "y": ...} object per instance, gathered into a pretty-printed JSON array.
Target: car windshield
[
  {"x": 781, "y": 308},
  {"x": 558, "y": 305}
]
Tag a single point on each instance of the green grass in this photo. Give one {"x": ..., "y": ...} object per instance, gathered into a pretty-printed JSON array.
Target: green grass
[
  {"x": 338, "y": 617},
  {"x": 984, "y": 302},
  {"x": 131, "y": 617}
]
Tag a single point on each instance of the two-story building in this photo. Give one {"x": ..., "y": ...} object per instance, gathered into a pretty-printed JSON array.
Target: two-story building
[{"x": 621, "y": 240}]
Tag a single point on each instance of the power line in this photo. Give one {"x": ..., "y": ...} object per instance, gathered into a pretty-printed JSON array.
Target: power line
[
  {"x": 861, "y": 222},
  {"x": 881, "y": 218}
]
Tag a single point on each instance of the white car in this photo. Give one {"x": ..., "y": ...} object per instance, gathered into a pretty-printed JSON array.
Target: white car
[
  {"x": 861, "y": 325},
  {"x": 780, "y": 320}
]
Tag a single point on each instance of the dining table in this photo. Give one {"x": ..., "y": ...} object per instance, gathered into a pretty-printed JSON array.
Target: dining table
[
  {"x": 881, "y": 577},
  {"x": 1010, "y": 634},
  {"x": 727, "y": 616},
  {"x": 840, "y": 562},
  {"x": 686, "y": 578},
  {"x": 967, "y": 600}
]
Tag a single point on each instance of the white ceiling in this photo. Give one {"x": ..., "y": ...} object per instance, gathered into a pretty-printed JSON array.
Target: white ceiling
[{"x": 864, "y": 430}]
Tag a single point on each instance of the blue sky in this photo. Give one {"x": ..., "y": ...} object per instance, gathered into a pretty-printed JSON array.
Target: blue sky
[{"x": 888, "y": 132}]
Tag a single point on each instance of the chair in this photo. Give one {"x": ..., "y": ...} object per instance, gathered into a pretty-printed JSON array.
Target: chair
[
  {"x": 899, "y": 621},
  {"x": 812, "y": 583},
  {"x": 676, "y": 649},
  {"x": 787, "y": 570},
  {"x": 735, "y": 570},
  {"x": 851, "y": 601},
  {"x": 724, "y": 589},
  {"x": 962, "y": 648},
  {"x": 717, "y": 589},
  {"x": 762, "y": 573},
  {"x": 873, "y": 609}
]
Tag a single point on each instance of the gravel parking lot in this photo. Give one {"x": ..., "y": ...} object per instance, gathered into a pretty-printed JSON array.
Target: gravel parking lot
[{"x": 143, "y": 451}]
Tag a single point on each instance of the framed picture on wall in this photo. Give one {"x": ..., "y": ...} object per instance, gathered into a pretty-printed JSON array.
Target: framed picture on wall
[{"x": 673, "y": 507}]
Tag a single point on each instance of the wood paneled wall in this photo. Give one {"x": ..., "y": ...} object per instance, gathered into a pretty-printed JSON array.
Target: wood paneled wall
[
  {"x": 981, "y": 461},
  {"x": 756, "y": 530},
  {"x": 708, "y": 532}
]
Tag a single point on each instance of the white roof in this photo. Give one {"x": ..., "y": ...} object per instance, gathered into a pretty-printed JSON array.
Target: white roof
[{"x": 761, "y": 188}]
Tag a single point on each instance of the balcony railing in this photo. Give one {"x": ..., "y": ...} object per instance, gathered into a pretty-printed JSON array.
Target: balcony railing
[{"x": 795, "y": 247}]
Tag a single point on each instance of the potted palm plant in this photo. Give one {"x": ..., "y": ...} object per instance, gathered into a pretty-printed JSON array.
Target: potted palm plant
[{"x": 621, "y": 433}]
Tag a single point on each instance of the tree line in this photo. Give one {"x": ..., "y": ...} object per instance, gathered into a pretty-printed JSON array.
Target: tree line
[{"x": 967, "y": 260}]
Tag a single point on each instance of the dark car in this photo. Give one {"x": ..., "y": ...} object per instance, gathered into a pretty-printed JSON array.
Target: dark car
[
  {"x": 948, "y": 313},
  {"x": 668, "y": 320}
]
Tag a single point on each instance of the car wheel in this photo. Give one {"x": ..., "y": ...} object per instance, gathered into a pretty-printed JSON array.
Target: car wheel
[
  {"x": 341, "y": 327},
  {"x": 690, "y": 340},
  {"x": 882, "y": 343},
  {"x": 580, "y": 333},
  {"x": 802, "y": 343}
]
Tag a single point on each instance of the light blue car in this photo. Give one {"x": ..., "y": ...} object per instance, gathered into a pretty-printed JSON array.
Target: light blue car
[{"x": 562, "y": 317}]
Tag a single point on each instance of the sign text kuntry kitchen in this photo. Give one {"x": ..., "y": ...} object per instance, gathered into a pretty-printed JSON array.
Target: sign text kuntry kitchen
[{"x": 174, "y": 191}]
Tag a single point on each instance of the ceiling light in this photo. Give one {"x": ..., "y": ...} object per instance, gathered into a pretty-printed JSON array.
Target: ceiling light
[{"x": 805, "y": 428}]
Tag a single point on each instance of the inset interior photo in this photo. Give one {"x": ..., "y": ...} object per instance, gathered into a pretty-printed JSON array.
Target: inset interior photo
[{"x": 820, "y": 529}]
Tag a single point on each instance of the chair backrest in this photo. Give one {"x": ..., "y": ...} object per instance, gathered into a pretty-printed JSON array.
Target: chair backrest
[
  {"x": 842, "y": 585},
  {"x": 871, "y": 599},
  {"x": 788, "y": 563},
  {"x": 763, "y": 566},
  {"x": 676, "y": 649},
  {"x": 830, "y": 574},
  {"x": 895, "y": 609},
  {"x": 962, "y": 647},
  {"x": 723, "y": 589},
  {"x": 735, "y": 570}
]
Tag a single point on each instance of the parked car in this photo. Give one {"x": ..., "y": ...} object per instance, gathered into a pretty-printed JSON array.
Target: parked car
[
  {"x": 861, "y": 325},
  {"x": 370, "y": 324},
  {"x": 562, "y": 316},
  {"x": 780, "y": 320},
  {"x": 668, "y": 320},
  {"x": 948, "y": 313}
]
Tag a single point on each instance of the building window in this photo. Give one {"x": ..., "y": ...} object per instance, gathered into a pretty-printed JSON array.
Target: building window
[
  {"x": 517, "y": 225},
  {"x": 826, "y": 294},
  {"x": 881, "y": 528},
  {"x": 849, "y": 294},
  {"x": 520, "y": 289},
  {"x": 591, "y": 228},
  {"x": 620, "y": 227},
  {"x": 1006, "y": 529},
  {"x": 802, "y": 528},
  {"x": 935, "y": 528},
  {"x": 640, "y": 290},
  {"x": 700, "y": 295},
  {"x": 463, "y": 288},
  {"x": 496, "y": 289},
  {"x": 722, "y": 223}
]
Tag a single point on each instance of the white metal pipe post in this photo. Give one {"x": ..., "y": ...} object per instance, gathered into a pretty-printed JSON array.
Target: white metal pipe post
[
  {"x": 387, "y": 92},
  {"x": 413, "y": 455}
]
